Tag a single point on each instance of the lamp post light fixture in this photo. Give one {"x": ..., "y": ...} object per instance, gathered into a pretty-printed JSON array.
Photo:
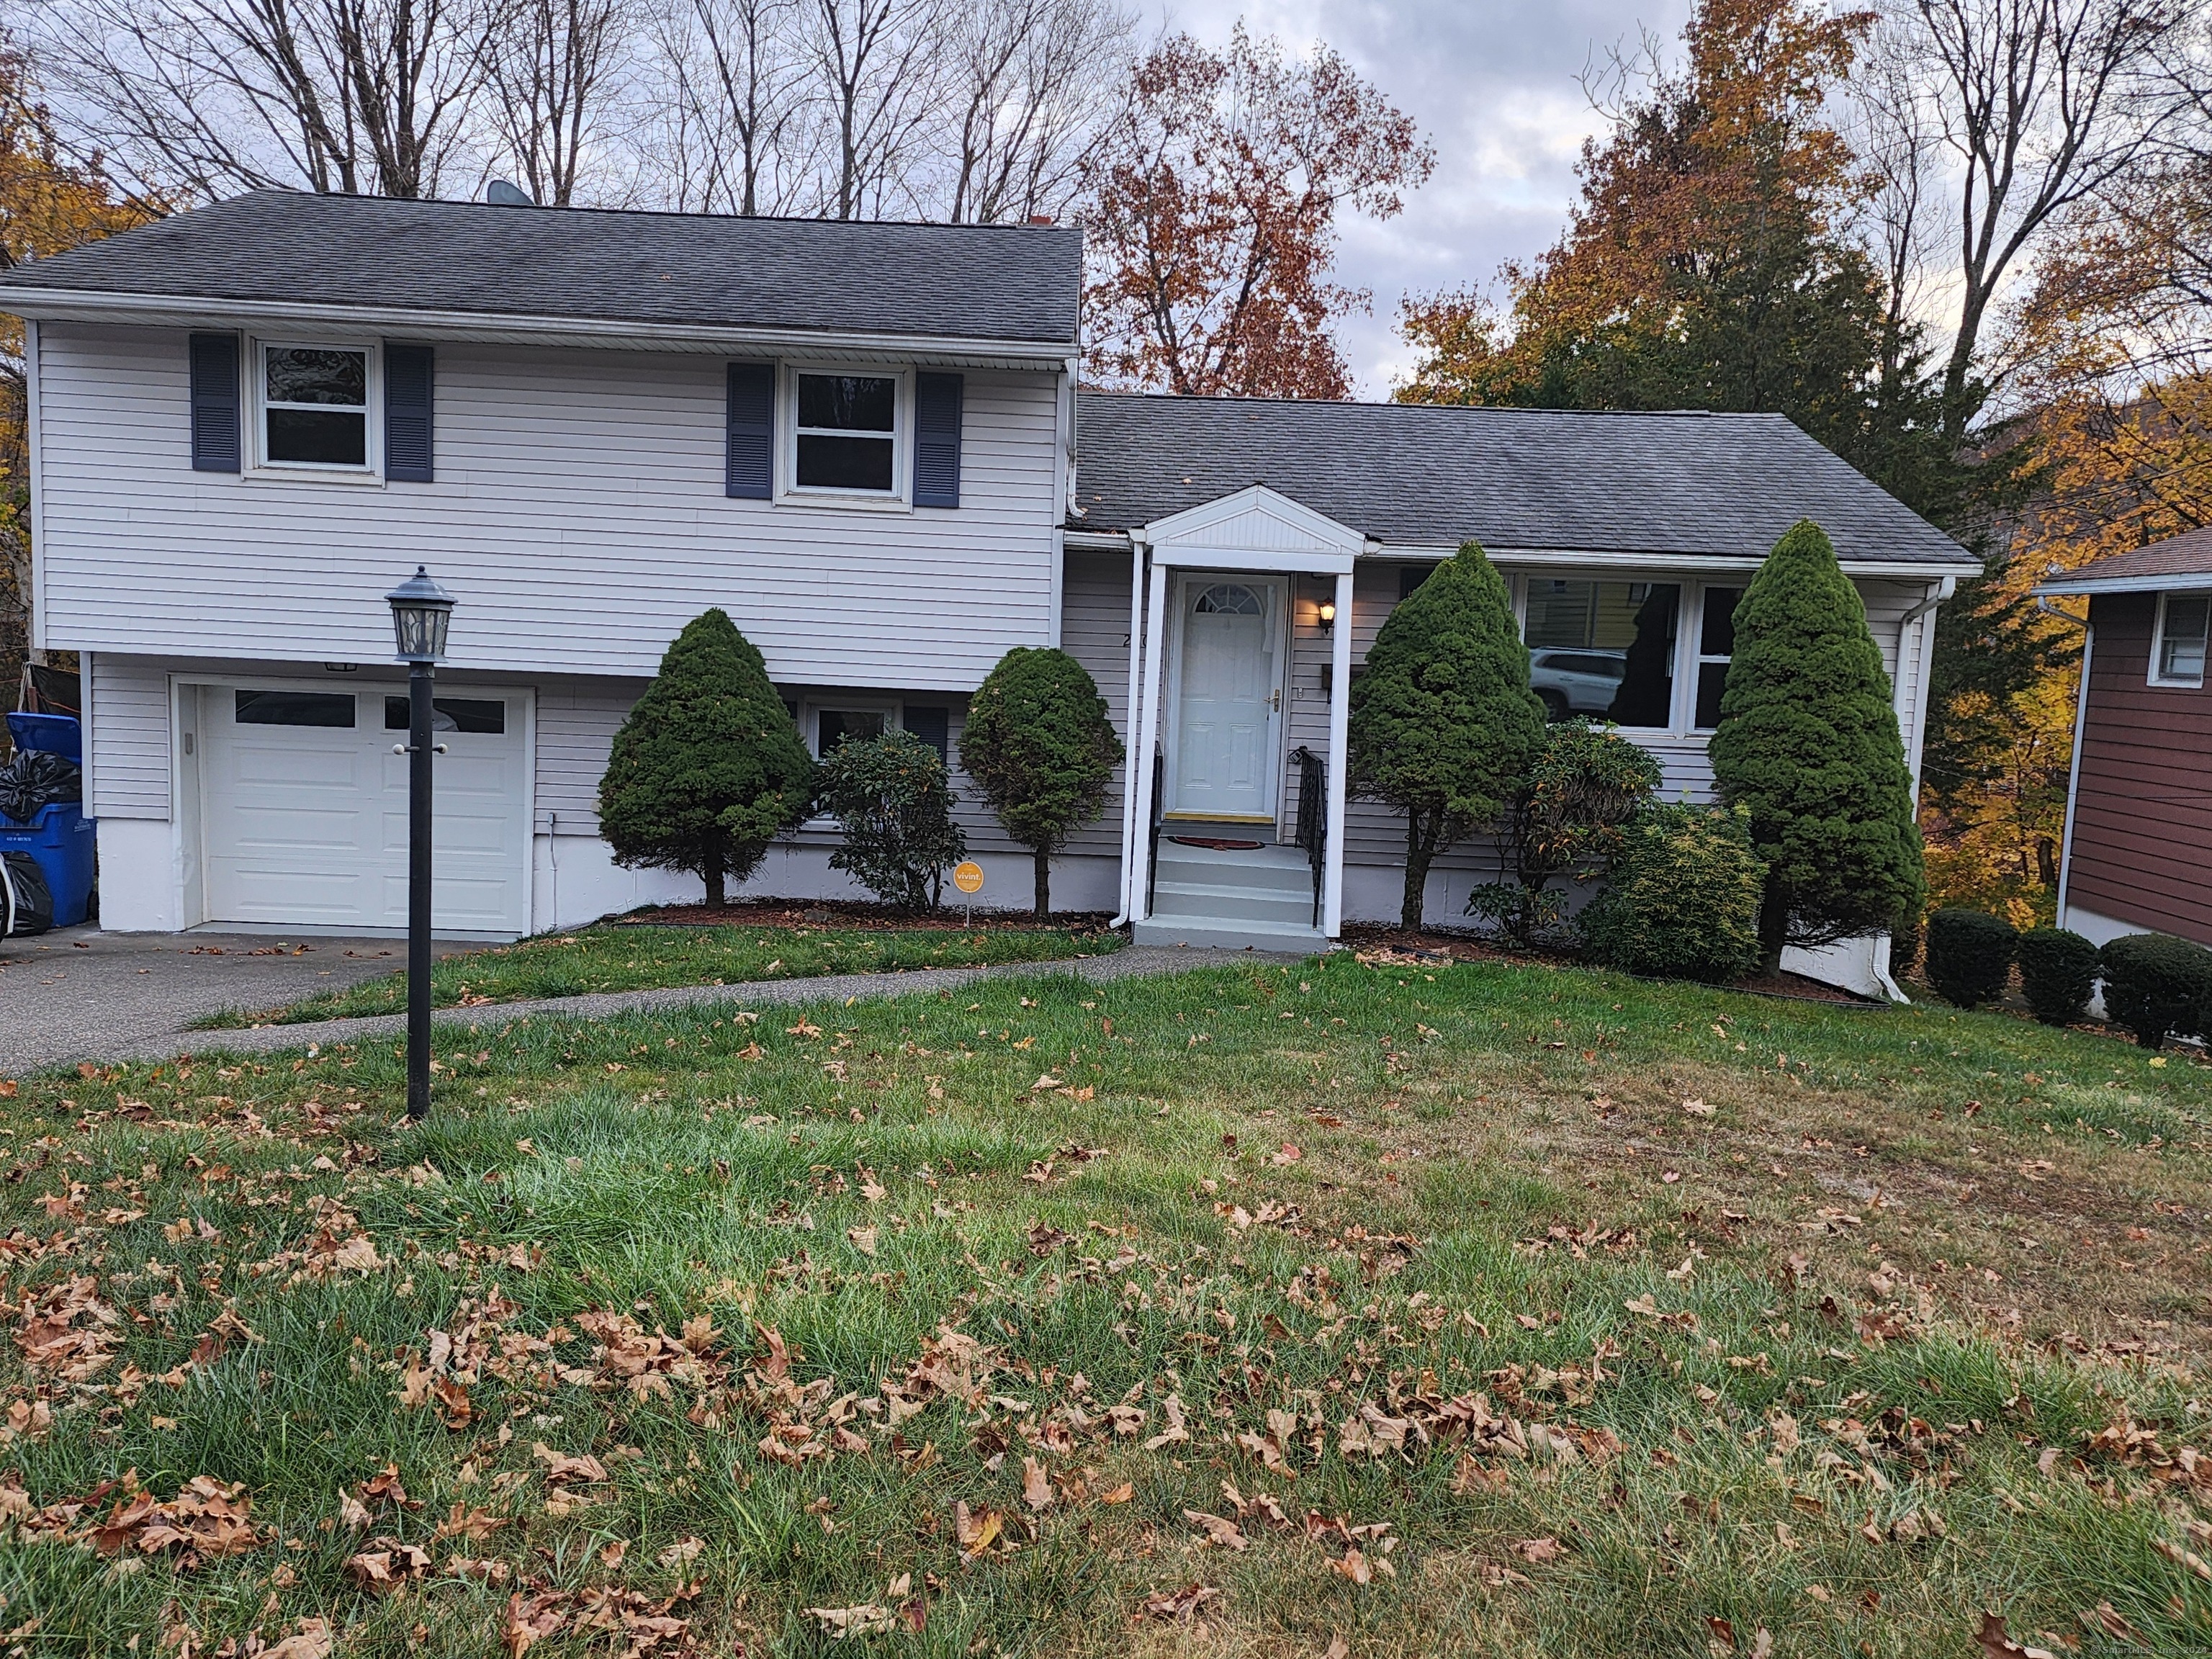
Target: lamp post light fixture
[{"x": 420, "y": 612}]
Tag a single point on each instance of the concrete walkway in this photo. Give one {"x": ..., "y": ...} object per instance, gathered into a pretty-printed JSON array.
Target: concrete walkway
[{"x": 18, "y": 1052}]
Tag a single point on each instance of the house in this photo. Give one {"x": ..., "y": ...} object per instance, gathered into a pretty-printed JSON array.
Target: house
[
  {"x": 864, "y": 441},
  {"x": 2136, "y": 855}
]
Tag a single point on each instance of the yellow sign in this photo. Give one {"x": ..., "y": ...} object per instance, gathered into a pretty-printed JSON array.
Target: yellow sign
[{"x": 969, "y": 876}]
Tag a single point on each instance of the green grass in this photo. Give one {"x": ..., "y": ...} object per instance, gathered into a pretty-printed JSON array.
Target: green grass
[
  {"x": 1902, "y": 1268},
  {"x": 626, "y": 958}
]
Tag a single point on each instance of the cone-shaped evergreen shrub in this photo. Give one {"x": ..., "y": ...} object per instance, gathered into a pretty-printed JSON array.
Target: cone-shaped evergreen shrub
[
  {"x": 1808, "y": 742},
  {"x": 1970, "y": 956},
  {"x": 2156, "y": 985},
  {"x": 708, "y": 770},
  {"x": 1443, "y": 723},
  {"x": 2057, "y": 970},
  {"x": 1683, "y": 899},
  {"x": 1040, "y": 746}
]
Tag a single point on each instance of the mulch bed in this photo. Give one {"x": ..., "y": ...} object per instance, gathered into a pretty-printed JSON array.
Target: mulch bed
[
  {"x": 854, "y": 914},
  {"x": 1450, "y": 946}
]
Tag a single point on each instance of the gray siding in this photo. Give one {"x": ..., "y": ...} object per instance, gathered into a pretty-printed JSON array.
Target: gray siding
[
  {"x": 130, "y": 760},
  {"x": 579, "y": 515}
]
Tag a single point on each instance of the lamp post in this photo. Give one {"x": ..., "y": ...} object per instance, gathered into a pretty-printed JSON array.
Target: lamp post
[{"x": 420, "y": 612}]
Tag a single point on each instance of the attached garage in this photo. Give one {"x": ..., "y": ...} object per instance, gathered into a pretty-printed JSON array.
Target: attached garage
[{"x": 302, "y": 807}]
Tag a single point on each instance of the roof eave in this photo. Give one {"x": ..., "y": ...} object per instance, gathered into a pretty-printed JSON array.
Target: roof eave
[
  {"x": 2090, "y": 586},
  {"x": 194, "y": 311}
]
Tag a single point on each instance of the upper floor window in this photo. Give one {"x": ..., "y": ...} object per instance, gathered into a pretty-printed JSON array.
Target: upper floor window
[
  {"x": 2177, "y": 652},
  {"x": 313, "y": 406},
  {"x": 846, "y": 433}
]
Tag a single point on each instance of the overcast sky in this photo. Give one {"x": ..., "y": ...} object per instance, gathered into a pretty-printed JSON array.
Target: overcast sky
[{"x": 1492, "y": 83}]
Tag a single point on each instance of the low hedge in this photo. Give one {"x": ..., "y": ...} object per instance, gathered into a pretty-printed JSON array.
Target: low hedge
[
  {"x": 1683, "y": 899},
  {"x": 2156, "y": 985},
  {"x": 2057, "y": 971},
  {"x": 1969, "y": 955}
]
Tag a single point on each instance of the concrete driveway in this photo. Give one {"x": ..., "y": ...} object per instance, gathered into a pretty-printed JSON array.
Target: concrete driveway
[{"x": 79, "y": 994}]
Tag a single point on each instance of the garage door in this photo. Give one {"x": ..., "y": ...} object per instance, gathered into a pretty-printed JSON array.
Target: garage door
[{"x": 304, "y": 809}]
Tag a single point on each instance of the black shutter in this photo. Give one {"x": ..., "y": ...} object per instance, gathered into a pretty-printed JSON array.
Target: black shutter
[
  {"x": 750, "y": 458},
  {"x": 937, "y": 440},
  {"x": 215, "y": 402},
  {"x": 933, "y": 726},
  {"x": 410, "y": 383}
]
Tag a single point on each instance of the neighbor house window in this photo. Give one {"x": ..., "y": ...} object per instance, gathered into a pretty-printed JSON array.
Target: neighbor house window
[
  {"x": 1603, "y": 651},
  {"x": 2177, "y": 655},
  {"x": 846, "y": 432},
  {"x": 1715, "y": 647},
  {"x": 314, "y": 405}
]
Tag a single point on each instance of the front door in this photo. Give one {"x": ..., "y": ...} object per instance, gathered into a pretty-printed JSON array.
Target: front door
[{"x": 1228, "y": 699}]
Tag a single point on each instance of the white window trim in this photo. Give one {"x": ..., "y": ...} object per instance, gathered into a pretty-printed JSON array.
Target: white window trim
[
  {"x": 900, "y": 499},
  {"x": 256, "y": 404},
  {"x": 2158, "y": 650}
]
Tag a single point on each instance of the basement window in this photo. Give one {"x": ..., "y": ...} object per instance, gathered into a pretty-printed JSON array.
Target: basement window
[{"x": 2177, "y": 654}]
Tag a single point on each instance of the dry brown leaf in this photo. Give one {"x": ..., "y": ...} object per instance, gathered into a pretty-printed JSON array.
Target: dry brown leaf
[
  {"x": 1537, "y": 1550},
  {"x": 1995, "y": 1643},
  {"x": 1037, "y": 1485},
  {"x": 1182, "y": 1604},
  {"x": 1217, "y": 1529}
]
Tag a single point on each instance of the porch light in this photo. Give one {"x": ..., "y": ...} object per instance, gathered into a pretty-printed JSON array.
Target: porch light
[
  {"x": 1327, "y": 613},
  {"x": 420, "y": 611}
]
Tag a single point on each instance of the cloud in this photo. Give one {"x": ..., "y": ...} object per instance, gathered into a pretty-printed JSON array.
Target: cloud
[{"x": 1493, "y": 85}]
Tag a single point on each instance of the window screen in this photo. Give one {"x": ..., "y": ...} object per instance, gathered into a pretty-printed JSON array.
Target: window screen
[
  {"x": 483, "y": 715},
  {"x": 1603, "y": 650},
  {"x": 2181, "y": 638},
  {"x": 330, "y": 708},
  {"x": 315, "y": 403},
  {"x": 846, "y": 432}
]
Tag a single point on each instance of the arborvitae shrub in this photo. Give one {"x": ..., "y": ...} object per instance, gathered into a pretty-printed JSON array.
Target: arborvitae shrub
[
  {"x": 1040, "y": 746},
  {"x": 1969, "y": 955},
  {"x": 2057, "y": 971},
  {"x": 1443, "y": 724},
  {"x": 2156, "y": 985},
  {"x": 1808, "y": 741},
  {"x": 1683, "y": 899},
  {"x": 706, "y": 770}
]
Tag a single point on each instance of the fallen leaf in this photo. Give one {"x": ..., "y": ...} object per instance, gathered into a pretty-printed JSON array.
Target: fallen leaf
[
  {"x": 1181, "y": 1604},
  {"x": 1996, "y": 1644},
  {"x": 1536, "y": 1550},
  {"x": 863, "y": 1239},
  {"x": 1037, "y": 1485},
  {"x": 1218, "y": 1529},
  {"x": 1698, "y": 1109}
]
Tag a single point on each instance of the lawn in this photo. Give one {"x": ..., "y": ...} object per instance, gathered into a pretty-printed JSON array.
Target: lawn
[
  {"x": 1375, "y": 1308},
  {"x": 620, "y": 957}
]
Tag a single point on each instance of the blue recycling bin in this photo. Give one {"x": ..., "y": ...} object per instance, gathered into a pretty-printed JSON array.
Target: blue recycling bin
[
  {"x": 56, "y": 734},
  {"x": 60, "y": 837}
]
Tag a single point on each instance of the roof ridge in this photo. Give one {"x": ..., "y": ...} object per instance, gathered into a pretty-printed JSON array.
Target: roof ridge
[
  {"x": 1393, "y": 403},
  {"x": 383, "y": 202}
]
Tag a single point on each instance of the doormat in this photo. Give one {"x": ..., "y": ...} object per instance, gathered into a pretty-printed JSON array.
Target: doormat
[{"x": 1218, "y": 843}]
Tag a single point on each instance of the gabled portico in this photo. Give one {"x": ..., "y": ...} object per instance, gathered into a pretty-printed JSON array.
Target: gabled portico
[{"x": 1216, "y": 798}]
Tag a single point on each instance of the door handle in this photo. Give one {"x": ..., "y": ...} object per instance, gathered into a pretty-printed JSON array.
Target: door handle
[{"x": 1275, "y": 700}]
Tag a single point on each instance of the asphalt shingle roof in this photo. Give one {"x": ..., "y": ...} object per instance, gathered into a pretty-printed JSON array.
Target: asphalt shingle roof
[
  {"x": 974, "y": 282},
  {"x": 2188, "y": 554},
  {"x": 1563, "y": 480}
]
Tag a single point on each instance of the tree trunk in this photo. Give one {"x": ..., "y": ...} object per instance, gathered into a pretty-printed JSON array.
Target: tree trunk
[
  {"x": 1421, "y": 853},
  {"x": 1043, "y": 900},
  {"x": 717, "y": 895},
  {"x": 1774, "y": 928}
]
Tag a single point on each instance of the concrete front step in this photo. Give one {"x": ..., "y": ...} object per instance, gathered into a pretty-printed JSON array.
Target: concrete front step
[
  {"x": 1225, "y": 935},
  {"x": 1195, "y": 900}
]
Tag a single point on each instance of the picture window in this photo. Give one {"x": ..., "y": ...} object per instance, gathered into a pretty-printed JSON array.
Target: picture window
[{"x": 1604, "y": 651}]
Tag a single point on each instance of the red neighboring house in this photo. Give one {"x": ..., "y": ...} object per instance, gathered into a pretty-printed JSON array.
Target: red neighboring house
[{"x": 2138, "y": 847}]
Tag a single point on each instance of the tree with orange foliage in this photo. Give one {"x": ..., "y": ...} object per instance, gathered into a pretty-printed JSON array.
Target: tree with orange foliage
[
  {"x": 1710, "y": 262},
  {"x": 1212, "y": 212},
  {"x": 49, "y": 202}
]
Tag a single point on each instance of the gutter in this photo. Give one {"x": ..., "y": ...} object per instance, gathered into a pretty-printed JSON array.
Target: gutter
[
  {"x": 2074, "y": 760},
  {"x": 1943, "y": 590},
  {"x": 198, "y": 311}
]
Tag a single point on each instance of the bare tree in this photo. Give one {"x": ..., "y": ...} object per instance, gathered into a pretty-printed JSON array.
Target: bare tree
[
  {"x": 870, "y": 69},
  {"x": 1030, "y": 87},
  {"x": 553, "y": 76},
  {"x": 726, "y": 99},
  {"x": 2041, "y": 102},
  {"x": 211, "y": 96}
]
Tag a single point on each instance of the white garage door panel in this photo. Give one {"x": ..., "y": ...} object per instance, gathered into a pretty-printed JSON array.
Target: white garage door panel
[{"x": 309, "y": 824}]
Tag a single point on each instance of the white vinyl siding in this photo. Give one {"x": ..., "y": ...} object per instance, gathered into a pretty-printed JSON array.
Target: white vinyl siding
[
  {"x": 130, "y": 759},
  {"x": 578, "y": 516}
]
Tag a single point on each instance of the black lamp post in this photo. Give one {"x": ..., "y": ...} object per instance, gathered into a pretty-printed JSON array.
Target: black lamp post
[{"x": 420, "y": 611}]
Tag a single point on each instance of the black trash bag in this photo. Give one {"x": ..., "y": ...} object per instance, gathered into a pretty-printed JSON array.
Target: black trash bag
[
  {"x": 26, "y": 904},
  {"x": 36, "y": 778}
]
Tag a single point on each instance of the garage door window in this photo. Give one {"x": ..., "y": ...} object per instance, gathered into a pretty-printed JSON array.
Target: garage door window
[
  {"x": 327, "y": 709},
  {"x": 481, "y": 714}
]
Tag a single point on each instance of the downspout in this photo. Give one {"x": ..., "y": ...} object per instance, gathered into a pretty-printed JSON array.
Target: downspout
[
  {"x": 1942, "y": 590},
  {"x": 2074, "y": 760},
  {"x": 1130, "y": 758}
]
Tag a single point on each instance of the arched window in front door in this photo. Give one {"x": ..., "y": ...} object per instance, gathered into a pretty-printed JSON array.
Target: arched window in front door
[{"x": 1228, "y": 599}]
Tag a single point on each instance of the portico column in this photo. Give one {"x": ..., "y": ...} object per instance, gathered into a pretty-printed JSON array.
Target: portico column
[
  {"x": 1340, "y": 728},
  {"x": 1148, "y": 729}
]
